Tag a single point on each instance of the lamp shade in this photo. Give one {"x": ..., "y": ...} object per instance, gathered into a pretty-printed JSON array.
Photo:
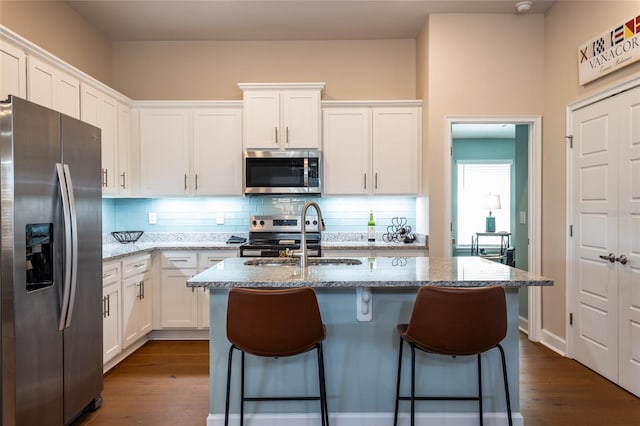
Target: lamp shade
[{"x": 491, "y": 202}]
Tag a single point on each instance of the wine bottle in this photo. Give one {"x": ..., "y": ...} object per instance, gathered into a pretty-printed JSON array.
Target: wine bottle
[{"x": 371, "y": 230}]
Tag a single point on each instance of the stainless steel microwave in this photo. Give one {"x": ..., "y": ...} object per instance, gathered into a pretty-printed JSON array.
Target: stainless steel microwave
[{"x": 282, "y": 172}]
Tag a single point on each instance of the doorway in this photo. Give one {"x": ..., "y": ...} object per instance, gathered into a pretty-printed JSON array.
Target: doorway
[{"x": 509, "y": 147}]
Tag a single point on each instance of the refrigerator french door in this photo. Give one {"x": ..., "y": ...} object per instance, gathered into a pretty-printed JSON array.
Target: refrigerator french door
[{"x": 51, "y": 265}]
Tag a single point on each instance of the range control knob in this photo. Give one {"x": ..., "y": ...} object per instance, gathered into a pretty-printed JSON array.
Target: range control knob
[
  {"x": 306, "y": 222},
  {"x": 315, "y": 222},
  {"x": 262, "y": 223},
  {"x": 254, "y": 222}
]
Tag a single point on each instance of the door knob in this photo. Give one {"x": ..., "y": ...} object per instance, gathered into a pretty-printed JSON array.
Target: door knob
[
  {"x": 611, "y": 257},
  {"x": 622, "y": 259}
]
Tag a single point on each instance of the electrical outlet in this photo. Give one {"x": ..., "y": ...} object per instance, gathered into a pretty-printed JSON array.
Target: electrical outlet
[
  {"x": 153, "y": 219},
  {"x": 220, "y": 219},
  {"x": 523, "y": 218}
]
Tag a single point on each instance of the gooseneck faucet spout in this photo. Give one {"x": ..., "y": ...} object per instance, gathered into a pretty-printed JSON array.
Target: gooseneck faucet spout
[{"x": 303, "y": 236}]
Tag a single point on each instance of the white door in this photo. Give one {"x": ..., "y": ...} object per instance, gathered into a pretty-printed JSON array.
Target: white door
[
  {"x": 629, "y": 241},
  {"x": 261, "y": 118},
  {"x": 605, "y": 216},
  {"x": 301, "y": 119}
]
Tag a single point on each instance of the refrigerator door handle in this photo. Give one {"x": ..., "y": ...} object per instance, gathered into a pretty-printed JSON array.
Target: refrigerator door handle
[
  {"x": 67, "y": 246},
  {"x": 74, "y": 245}
]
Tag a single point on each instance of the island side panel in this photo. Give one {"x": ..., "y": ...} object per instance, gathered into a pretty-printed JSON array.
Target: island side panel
[{"x": 361, "y": 362}]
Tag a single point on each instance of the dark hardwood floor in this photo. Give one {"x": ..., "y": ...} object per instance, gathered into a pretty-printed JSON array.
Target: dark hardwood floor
[{"x": 166, "y": 383}]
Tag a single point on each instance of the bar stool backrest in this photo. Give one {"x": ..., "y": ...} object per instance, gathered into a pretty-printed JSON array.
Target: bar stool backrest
[
  {"x": 458, "y": 321},
  {"x": 274, "y": 323}
]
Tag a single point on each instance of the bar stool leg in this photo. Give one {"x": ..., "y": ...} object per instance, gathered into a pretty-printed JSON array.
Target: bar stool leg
[
  {"x": 395, "y": 414},
  {"x": 242, "y": 388},
  {"x": 413, "y": 384},
  {"x": 324, "y": 410},
  {"x": 480, "y": 390},
  {"x": 226, "y": 404},
  {"x": 506, "y": 383}
]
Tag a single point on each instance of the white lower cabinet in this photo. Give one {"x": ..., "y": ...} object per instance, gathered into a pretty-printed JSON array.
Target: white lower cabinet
[
  {"x": 181, "y": 306},
  {"x": 137, "y": 299},
  {"x": 111, "y": 315}
]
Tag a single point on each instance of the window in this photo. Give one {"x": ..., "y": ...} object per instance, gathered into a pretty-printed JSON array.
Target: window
[{"x": 475, "y": 181}]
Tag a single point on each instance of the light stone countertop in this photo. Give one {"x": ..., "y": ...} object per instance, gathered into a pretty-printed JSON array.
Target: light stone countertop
[{"x": 381, "y": 272}]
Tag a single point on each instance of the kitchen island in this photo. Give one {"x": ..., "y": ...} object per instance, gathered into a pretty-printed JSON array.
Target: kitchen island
[{"x": 361, "y": 355}]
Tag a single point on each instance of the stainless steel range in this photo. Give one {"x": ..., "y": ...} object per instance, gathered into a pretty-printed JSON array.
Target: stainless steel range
[{"x": 271, "y": 236}]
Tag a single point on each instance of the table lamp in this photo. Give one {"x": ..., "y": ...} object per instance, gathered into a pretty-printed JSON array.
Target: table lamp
[{"x": 491, "y": 202}]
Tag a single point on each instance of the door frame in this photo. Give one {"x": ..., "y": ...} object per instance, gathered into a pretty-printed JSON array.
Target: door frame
[
  {"x": 534, "y": 222},
  {"x": 570, "y": 109}
]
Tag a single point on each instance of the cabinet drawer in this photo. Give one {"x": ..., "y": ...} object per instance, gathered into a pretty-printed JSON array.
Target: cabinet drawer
[
  {"x": 208, "y": 259},
  {"x": 111, "y": 272},
  {"x": 136, "y": 265},
  {"x": 179, "y": 259}
]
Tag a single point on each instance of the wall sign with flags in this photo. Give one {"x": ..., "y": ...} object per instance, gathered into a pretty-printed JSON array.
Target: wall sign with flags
[{"x": 610, "y": 51}]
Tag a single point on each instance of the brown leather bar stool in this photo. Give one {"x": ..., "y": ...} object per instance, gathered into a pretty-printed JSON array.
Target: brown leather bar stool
[
  {"x": 455, "y": 322},
  {"x": 275, "y": 323}
]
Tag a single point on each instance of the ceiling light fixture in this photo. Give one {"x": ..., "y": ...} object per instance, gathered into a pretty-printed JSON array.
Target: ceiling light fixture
[{"x": 523, "y": 7}]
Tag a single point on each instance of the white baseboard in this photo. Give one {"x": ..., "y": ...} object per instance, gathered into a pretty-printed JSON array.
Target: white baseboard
[
  {"x": 553, "y": 342},
  {"x": 366, "y": 419},
  {"x": 523, "y": 325}
]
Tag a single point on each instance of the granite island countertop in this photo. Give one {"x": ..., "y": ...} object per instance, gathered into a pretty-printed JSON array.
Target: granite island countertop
[{"x": 381, "y": 272}]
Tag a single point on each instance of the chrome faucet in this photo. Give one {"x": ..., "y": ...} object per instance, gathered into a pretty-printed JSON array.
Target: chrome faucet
[{"x": 303, "y": 237}]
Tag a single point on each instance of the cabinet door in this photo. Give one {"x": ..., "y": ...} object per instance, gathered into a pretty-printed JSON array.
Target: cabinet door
[
  {"x": 53, "y": 88},
  {"x": 396, "y": 153},
  {"x": 164, "y": 151},
  {"x": 111, "y": 341},
  {"x": 13, "y": 71},
  {"x": 130, "y": 312},
  {"x": 179, "y": 304},
  {"x": 217, "y": 152},
  {"x": 124, "y": 148},
  {"x": 262, "y": 119},
  {"x": 101, "y": 110},
  {"x": 346, "y": 151},
  {"x": 145, "y": 305},
  {"x": 300, "y": 119}
]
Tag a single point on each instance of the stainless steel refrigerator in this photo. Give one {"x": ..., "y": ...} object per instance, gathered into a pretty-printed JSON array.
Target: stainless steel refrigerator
[{"x": 51, "y": 265}]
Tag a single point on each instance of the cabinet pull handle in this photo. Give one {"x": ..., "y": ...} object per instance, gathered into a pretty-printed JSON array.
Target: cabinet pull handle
[
  {"x": 123, "y": 185},
  {"x": 287, "y": 134},
  {"x": 365, "y": 181},
  {"x": 179, "y": 260},
  {"x": 138, "y": 287},
  {"x": 137, "y": 265},
  {"x": 276, "y": 128},
  {"x": 185, "y": 181},
  {"x": 104, "y": 177},
  {"x": 108, "y": 305},
  {"x": 376, "y": 183},
  {"x": 196, "y": 181},
  {"x": 142, "y": 288},
  {"x": 104, "y": 310}
]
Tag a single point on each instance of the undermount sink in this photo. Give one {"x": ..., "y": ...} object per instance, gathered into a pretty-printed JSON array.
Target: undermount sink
[{"x": 312, "y": 261}]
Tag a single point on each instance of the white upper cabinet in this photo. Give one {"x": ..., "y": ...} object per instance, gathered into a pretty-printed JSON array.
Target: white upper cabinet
[
  {"x": 396, "y": 151},
  {"x": 217, "y": 151},
  {"x": 13, "y": 71},
  {"x": 53, "y": 88},
  {"x": 164, "y": 148},
  {"x": 371, "y": 150},
  {"x": 190, "y": 151},
  {"x": 125, "y": 178},
  {"x": 281, "y": 116},
  {"x": 101, "y": 110},
  {"x": 346, "y": 146}
]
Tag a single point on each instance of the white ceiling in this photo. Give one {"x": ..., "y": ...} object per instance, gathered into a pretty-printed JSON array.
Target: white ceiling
[{"x": 146, "y": 20}]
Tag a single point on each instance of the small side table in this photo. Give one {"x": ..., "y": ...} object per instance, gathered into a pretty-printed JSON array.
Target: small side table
[{"x": 504, "y": 242}]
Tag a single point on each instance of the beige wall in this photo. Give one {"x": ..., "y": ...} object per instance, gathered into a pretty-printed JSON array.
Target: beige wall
[
  {"x": 378, "y": 69},
  {"x": 585, "y": 20},
  {"x": 55, "y": 27},
  {"x": 479, "y": 65},
  {"x": 422, "y": 92}
]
